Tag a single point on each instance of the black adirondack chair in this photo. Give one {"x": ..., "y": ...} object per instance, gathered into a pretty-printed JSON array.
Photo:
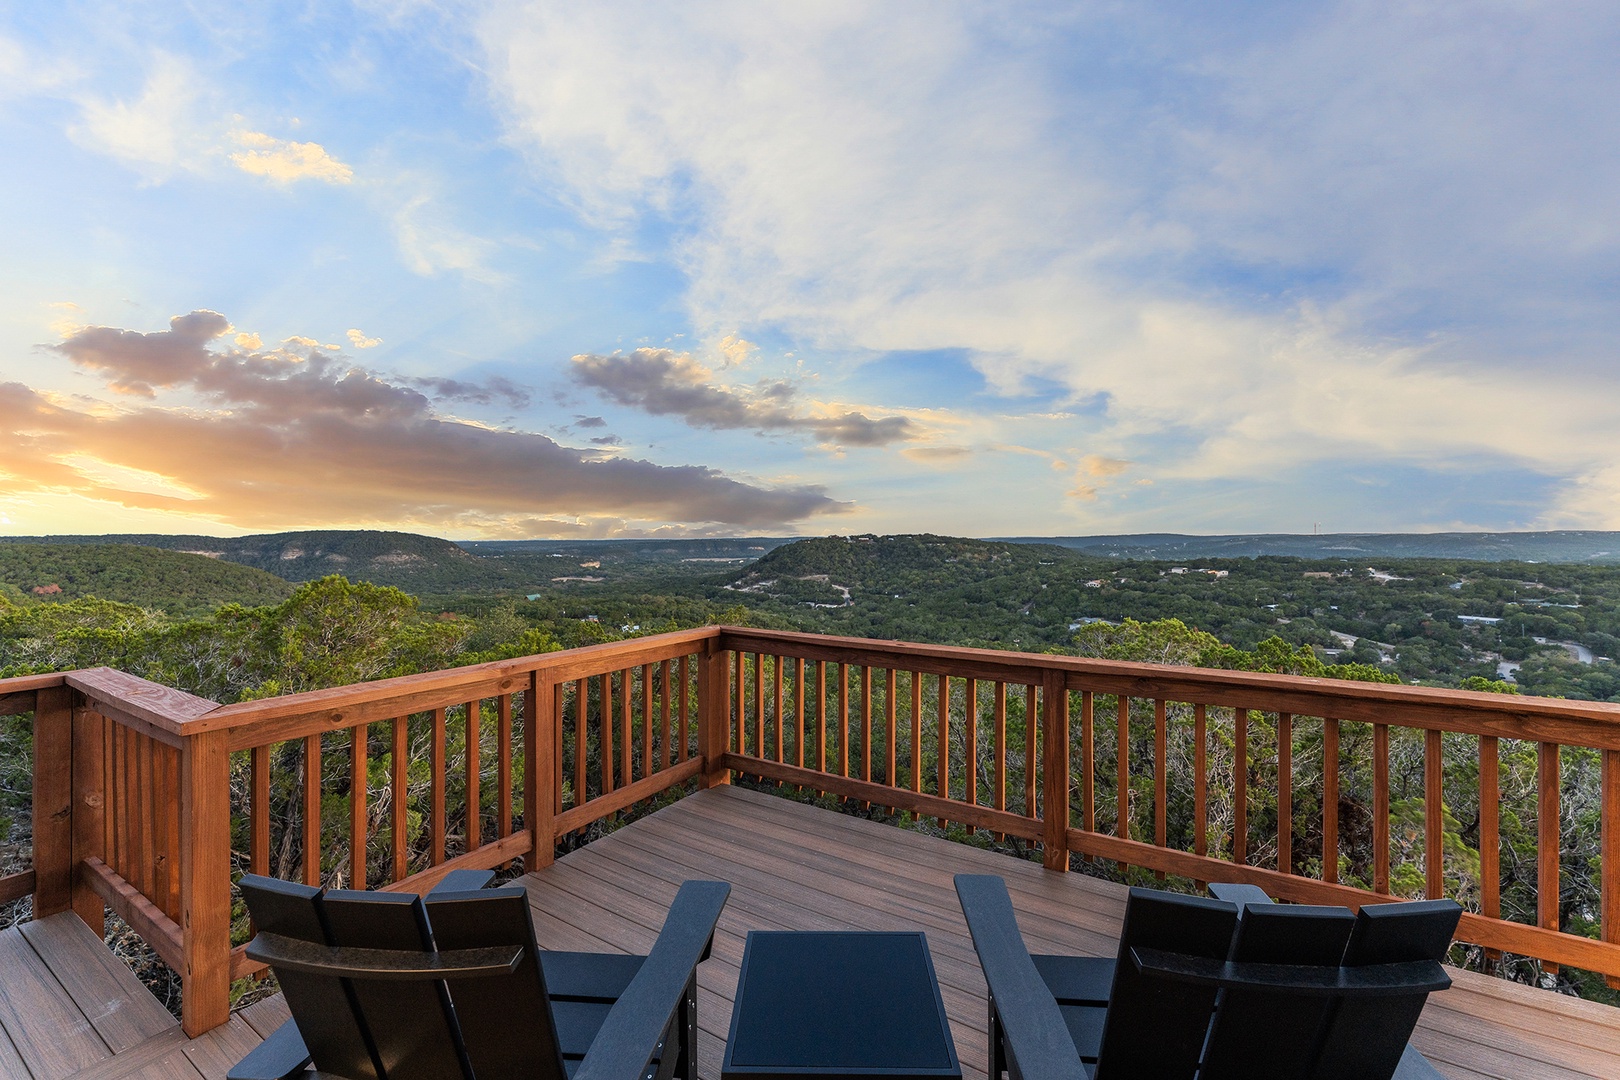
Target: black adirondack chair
[
  {"x": 389, "y": 986},
  {"x": 1357, "y": 1033},
  {"x": 1288, "y": 992}
]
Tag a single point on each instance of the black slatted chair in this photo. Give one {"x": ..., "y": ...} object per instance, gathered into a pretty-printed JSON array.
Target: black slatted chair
[
  {"x": 1302, "y": 993},
  {"x": 1366, "y": 1035},
  {"x": 1050, "y": 1023},
  {"x": 388, "y": 987}
]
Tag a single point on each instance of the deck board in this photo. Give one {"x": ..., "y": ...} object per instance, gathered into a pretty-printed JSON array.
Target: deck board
[{"x": 792, "y": 867}]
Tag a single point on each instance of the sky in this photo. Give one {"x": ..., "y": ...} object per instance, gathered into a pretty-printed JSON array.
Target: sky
[{"x": 502, "y": 271}]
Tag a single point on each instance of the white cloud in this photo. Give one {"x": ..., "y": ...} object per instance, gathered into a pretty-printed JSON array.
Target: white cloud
[
  {"x": 360, "y": 341},
  {"x": 157, "y": 132},
  {"x": 1341, "y": 233},
  {"x": 285, "y": 162}
]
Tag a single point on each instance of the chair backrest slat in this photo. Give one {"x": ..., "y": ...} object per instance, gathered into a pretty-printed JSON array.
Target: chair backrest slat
[
  {"x": 506, "y": 1021},
  {"x": 328, "y": 1014},
  {"x": 1276, "y": 1035},
  {"x": 1155, "y": 1028},
  {"x": 1367, "y": 1036},
  {"x": 411, "y": 1024}
]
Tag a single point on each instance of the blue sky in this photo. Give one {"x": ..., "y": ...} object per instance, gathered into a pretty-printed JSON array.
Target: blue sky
[{"x": 509, "y": 270}]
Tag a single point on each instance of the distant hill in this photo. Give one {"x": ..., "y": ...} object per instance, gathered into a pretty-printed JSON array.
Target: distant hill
[
  {"x": 1542, "y": 547},
  {"x": 168, "y": 581},
  {"x": 409, "y": 561}
]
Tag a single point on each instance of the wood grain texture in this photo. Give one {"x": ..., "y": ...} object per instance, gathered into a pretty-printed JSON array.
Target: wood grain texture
[
  {"x": 205, "y": 881},
  {"x": 89, "y": 811},
  {"x": 1055, "y": 774},
  {"x": 121, "y": 1009},
  {"x": 53, "y": 801}
]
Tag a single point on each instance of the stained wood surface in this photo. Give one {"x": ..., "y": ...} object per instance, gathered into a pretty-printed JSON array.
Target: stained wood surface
[{"x": 792, "y": 867}]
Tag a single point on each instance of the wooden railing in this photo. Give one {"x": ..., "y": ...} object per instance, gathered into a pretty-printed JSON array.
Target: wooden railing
[{"x": 150, "y": 801}]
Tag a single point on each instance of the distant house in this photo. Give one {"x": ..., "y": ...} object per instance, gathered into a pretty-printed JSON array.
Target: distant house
[
  {"x": 1096, "y": 584},
  {"x": 1319, "y": 573},
  {"x": 47, "y": 590}
]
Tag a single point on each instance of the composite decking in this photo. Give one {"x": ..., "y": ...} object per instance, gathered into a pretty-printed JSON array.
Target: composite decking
[{"x": 68, "y": 1010}]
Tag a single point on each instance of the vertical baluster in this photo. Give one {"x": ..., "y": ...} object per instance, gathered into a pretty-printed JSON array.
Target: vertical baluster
[
  {"x": 1381, "y": 808},
  {"x": 1122, "y": 776},
  {"x": 358, "y": 813},
  {"x": 259, "y": 810},
  {"x": 742, "y": 701},
  {"x": 627, "y": 680},
  {"x": 1547, "y": 840},
  {"x": 147, "y": 802},
  {"x": 970, "y": 743},
  {"x": 1433, "y": 823},
  {"x": 646, "y": 720},
  {"x": 1161, "y": 790},
  {"x": 916, "y": 731},
  {"x": 666, "y": 714},
  {"x": 503, "y": 766},
  {"x": 1240, "y": 786},
  {"x": 776, "y": 681},
  {"x": 1490, "y": 848},
  {"x": 475, "y": 776},
  {"x": 759, "y": 705},
  {"x": 1285, "y": 793},
  {"x": 399, "y": 793},
  {"x": 683, "y": 709},
  {"x": 605, "y": 730},
  {"x": 1330, "y": 800},
  {"x": 312, "y": 810},
  {"x": 889, "y": 718},
  {"x": 998, "y": 721},
  {"x": 1032, "y": 739},
  {"x": 1609, "y": 886},
  {"x": 843, "y": 719},
  {"x": 866, "y": 723},
  {"x": 582, "y": 700},
  {"x": 821, "y": 716},
  {"x": 125, "y": 772},
  {"x": 1200, "y": 781},
  {"x": 437, "y": 752},
  {"x": 798, "y": 711},
  {"x": 943, "y": 790},
  {"x": 170, "y": 782}
]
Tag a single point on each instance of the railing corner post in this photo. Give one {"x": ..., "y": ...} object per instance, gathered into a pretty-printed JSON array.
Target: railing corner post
[
  {"x": 1055, "y": 770},
  {"x": 714, "y": 714},
  {"x": 53, "y": 801},
  {"x": 540, "y": 791},
  {"x": 205, "y": 881}
]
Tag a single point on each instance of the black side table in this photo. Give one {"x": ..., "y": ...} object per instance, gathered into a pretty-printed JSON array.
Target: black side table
[{"x": 839, "y": 1006}]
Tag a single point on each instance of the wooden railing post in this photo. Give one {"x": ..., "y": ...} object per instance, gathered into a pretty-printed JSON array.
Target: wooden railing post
[
  {"x": 205, "y": 881},
  {"x": 714, "y": 713},
  {"x": 540, "y": 795},
  {"x": 1055, "y": 770},
  {"x": 89, "y": 812},
  {"x": 53, "y": 801}
]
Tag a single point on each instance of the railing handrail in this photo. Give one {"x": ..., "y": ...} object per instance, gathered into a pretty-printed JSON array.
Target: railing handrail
[{"x": 334, "y": 700}]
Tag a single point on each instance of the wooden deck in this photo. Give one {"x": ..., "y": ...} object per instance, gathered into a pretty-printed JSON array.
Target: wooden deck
[{"x": 69, "y": 1010}]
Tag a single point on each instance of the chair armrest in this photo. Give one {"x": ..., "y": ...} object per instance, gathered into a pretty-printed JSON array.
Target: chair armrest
[
  {"x": 292, "y": 954},
  {"x": 1234, "y": 892},
  {"x": 463, "y": 881},
  {"x": 1035, "y": 1036},
  {"x": 635, "y": 1025},
  {"x": 279, "y": 1057},
  {"x": 1371, "y": 980}
]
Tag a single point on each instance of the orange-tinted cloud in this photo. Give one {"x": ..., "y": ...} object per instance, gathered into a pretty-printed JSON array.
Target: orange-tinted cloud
[{"x": 292, "y": 439}]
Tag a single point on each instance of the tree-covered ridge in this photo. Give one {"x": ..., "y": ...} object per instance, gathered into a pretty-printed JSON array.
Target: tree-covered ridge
[
  {"x": 167, "y": 581},
  {"x": 1552, "y": 627}
]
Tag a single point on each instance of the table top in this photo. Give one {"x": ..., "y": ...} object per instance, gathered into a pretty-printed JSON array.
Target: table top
[{"x": 838, "y": 1005}]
